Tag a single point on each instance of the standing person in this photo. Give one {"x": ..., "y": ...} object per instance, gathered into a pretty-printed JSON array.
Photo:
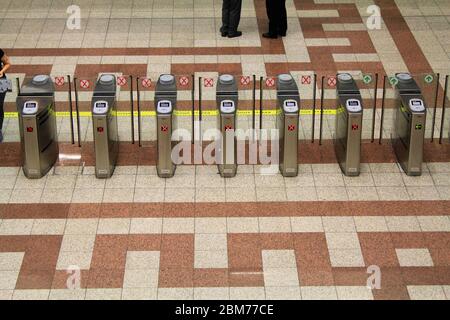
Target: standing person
[
  {"x": 276, "y": 12},
  {"x": 4, "y": 66},
  {"x": 231, "y": 16}
]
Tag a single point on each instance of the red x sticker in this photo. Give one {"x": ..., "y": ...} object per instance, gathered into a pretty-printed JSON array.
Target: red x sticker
[
  {"x": 245, "y": 80},
  {"x": 85, "y": 84},
  {"x": 184, "y": 81},
  {"x": 146, "y": 82},
  {"x": 164, "y": 128},
  {"x": 306, "y": 79},
  {"x": 122, "y": 81},
  {"x": 270, "y": 82},
  {"x": 208, "y": 82},
  {"x": 291, "y": 127},
  {"x": 228, "y": 127},
  {"x": 59, "y": 81}
]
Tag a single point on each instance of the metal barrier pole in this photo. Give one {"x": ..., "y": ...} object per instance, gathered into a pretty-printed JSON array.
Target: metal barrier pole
[
  {"x": 382, "y": 110},
  {"x": 374, "y": 109},
  {"x": 193, "y": 108},
  {"x": 313, "y": 127},
  {"x": 77, "y": 109},
  {"x": 433, "y": 124},
  {"x": 200, "y": 115},
  {"x": 322, "y": 96},
  {"x": 261, "y": 96},
  {"x": 132, "y": 110},
  {"x": 138, "y": 96},
  {"x": 18, "y": 85},
  {"x": 254, "y": 104},
  {"x": 441, "y": 134},
  {"x": 71, "y": 109}
]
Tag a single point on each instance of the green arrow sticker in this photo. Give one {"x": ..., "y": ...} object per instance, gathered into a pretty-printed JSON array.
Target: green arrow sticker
[
  {"x": 367, "y": 78},
  {"x": 393, "y": 81},
  {"x": 429, "y": 78}
]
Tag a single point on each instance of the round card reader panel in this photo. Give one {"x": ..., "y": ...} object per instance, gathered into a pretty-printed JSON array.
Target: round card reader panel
[
  {"x": 353, "y": 105},
  {"x": 416, "y": 105},
  {"x": 164, "y": 107},
  {"x": 101, "y": 107},
  {"x": 30, "y": 107},
  {"x": 227, "y": 106},
  {"x": 290, "y": 106}
]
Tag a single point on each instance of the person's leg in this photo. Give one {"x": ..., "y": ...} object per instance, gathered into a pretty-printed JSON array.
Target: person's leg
[
  {"x": 235, "y": 16},
  {"x": 225, "y": 17},
  {"x": 282, "y": 26},
  {"x": 271, "y": 7},
  {"x": 2, "y": 115}
]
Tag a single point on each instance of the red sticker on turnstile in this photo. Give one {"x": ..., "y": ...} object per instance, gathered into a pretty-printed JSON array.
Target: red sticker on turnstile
[
  {"x": 208, "y": 82},
  {"x": 332, "y": 81},
  {"x": 270, "y": 82},
  {"x": 164, "y": 128},
  {"x": 306, "y": 79},
  {"x": 355, "y": 127},
  {"x": 228, "y": 127},
  {"x": 184, "y": 81},
  {"x": 291, "y": 127},
  {"x": 30, "y": 129},
  {"x": 121, "y": 81},
  {"x": 146, "y": 82},
  {"x": 59, "y": 81},
  {"x": 85, "y": 84},
  {"x": 245, "y": 80}
]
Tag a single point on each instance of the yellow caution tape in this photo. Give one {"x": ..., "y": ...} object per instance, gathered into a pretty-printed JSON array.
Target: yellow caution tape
[{"x": 184, "y": 113}]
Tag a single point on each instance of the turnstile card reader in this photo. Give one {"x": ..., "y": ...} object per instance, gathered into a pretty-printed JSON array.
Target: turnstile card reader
[
  {"x": 349, "y": 115},
  {"x": 165, "y": 100},
  {"x": 227, "y": 101},
  {"x": 409, "y": 125},
  {"x": 105, "y": 128},
  {"x": 37, "y": 125},
  {"x": 288, "y": 109}
]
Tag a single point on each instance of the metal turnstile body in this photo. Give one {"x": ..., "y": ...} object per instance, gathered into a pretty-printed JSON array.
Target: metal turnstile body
[
  {"x": 227, "y": 103},
  {"x": 165, "y": 104},
  {"x": 104, "y": 123},
  {"x": 349, "y": 115},
  {"x": 288, "y": 108},
  {"x": 37, "y": 125},
  {"x": 409, "y": 125}
]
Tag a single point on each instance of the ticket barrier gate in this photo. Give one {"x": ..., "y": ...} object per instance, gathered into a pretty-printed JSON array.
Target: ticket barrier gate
[
  {"x": 409, "y": 125},
  {"x": 37, "y": 124},
  {"x": 165, "y": 102},
  {"x": 104, "y": 122},
  {"x": 227, "y": 102},
  {"x": 349, "y": 115},
  {"x": 288, "y": 108}
]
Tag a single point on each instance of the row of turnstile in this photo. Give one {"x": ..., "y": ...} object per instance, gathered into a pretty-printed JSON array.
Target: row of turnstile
[{"x": 37, "y": 119}]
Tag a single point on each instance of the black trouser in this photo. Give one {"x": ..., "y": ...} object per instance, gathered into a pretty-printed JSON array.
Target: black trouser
[
  {"x": 276, "y": 12},
  {"x": 2, "y": 114},
  {"x": 231, "y": 15}
]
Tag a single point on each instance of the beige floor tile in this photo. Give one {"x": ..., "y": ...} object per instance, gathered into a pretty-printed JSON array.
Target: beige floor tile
[
  {"x": 270, "y": 194},
  {"x": 278, "y": 259},
  {"x": 423, "y": 193},
  {"x": 56, "y": 195},
  {"x": 281, "y": 277},
  {"x": 60, "y": 182},
  {"x": 150, "y": 181},
  {"x": 332, "y": 193},
  {"x": 242, "y": 225},
  {"x": 418, "y": 181},
  {"x": 338, "y": 224},
  {"x": 103, "y": 294},
  {"x": 6, "y": 294},
  {"x": 178, "y": 225},
  {"x": 447, "y": 291},
  {"x": 444, "y": 192},
  {"x": 362, "y": 194},
  {"x": 273, "y": 181},
  {"x": 434, "y": 223},
  {"x": 48, "y": 226},
  {"x": 125, "y": 170},
  {"x": 175, "y": 293},
  {"x": 142, "y": 260},
  {"x": 240, "y": 194},
  {"x": 211, "y": 259},
  {"x": 139, "y": 293},
  {"x": 319, "y": 293},
  {"x": 11, "y": 261},
  {"x": 403, "y": 224},
  {"x": 26, "y": 196},
  {"x": 301, "y": 194},
  {"x": 211, "y": 293},
  {"x": 283, "y": 293},
  {"x": 24, "y": 183},
  {"x": 346, "y": 258},
  {"x": 114, "y": 226},
  {"x": 81, "y": 226},
  {"x": 435, "y": 167},
  {"x": 8, "y": 279},
  {"x": 240, "y": 181},
  {"x": 414, "y": 258},
  {"x": 7, "y": 182},
  {"x": 341, "y": 240},
  {"x": 370, "y": 224},
  {"x": 332, "y": 168},
  {"x": 393, "y": 193},
  {"x": 210, "y": 225},
  {"x": 306, "y": 224},
  {"x": 146, "y": 225},
  {"x": 67, "y": 294},
  {"x": 80, "y": 259},
  {"x": 16, "y": 227},
  {"x": 426, "y": 293},
  {"x": 5, "y": 195},
  {"x": 179, "y": 195},
  {"x": 90, "y": 182},
  {"x": 181, "y": 181},
  {"x": 210, "y": 195},
  {"x": 118, "y": 195},
  {"x": 31, "y": 294},
  {"x": 274, "y": 224},
  {"x": 209, "y": 181},
  {"x": 247, "y": 293},
  {"x": 441, "y": 179},
  {"x": 210, "y": 242},
  {"x": 87, "y": 195},
  {"x": 353, "y": 293},
  {"x": 328, "y": 180},
  {"x": 390, "y": 179},
  {"x": 78, "y": 242},
  {"x": 144, "y": 278},
  {"x": 302, "y": 180},
  {"x": 148, "y": 195}
]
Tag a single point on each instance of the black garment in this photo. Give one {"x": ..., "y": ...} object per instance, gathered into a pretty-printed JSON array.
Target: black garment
[
  {"x": 2, "y": 53},
  {"x": 2, "y": 114},
  {"x": 276, "y": 12},
  {"x": 231, "y": 15}
]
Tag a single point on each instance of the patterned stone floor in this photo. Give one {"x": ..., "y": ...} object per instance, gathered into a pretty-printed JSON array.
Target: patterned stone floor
[{"x": 197, "y": 236}]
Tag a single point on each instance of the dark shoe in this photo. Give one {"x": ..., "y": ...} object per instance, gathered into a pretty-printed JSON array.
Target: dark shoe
[
  {"x": 223, "y": 32},
  {"x": 282, "y": 34},
  {"x": 270, "y": 35},
  {"x": 1, "y": 136},
  {"x": 234, "y": 34}
]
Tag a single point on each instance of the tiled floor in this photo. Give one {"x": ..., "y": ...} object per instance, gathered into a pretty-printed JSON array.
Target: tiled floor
[{"x": 320, "y": 235}]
